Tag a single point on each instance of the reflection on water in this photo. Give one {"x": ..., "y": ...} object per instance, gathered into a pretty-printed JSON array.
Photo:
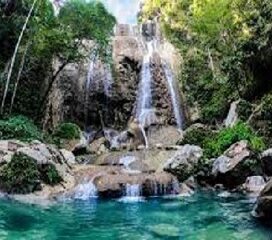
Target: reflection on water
[{"x": 203, "y": 216}]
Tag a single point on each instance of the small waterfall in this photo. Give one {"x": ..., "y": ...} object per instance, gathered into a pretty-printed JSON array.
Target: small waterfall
[
  {"x": 144, "y": 135},
  {"x": 133, "y": 190},
  {"x": 174, "y": 95},
  {"x": 89, "y": 80},
  {"x": 86, "y": 190},
  {"x": 108, "y": 80}
]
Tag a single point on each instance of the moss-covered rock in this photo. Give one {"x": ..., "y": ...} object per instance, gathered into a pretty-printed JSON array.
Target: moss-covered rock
[
  {"x": 49, "y": 174},
  {"x": 67, "y": 131},
  {"x": 20, "y": 175}
]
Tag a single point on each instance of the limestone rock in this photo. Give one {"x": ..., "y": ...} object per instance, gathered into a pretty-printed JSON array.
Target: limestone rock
[
  {"x": 96, "y": 146},
  {"x": 113, "y": 182},
  {"x": 41, "y": 157},
  {"x": 185, "y": 160},
  {"x": 234, "y": 166},
  {"x": 68, "y": 156}
]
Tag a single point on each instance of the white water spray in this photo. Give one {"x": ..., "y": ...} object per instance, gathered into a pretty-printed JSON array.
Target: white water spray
[{"x": 86, "y": 190}]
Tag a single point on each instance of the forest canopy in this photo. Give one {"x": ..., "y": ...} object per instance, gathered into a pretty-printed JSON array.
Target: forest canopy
[
  {"x": 47, "y": 36},
  {"x": 226, "y": 48}
]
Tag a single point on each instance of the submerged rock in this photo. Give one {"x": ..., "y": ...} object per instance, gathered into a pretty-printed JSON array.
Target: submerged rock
[
  {"x": 184, "y": 162},
  {"x": 234, "y": 166},
  {"x": 165, "y": 231}
]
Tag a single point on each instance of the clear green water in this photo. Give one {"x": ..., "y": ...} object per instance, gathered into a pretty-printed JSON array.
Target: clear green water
[{"x": 203, "y": 216}]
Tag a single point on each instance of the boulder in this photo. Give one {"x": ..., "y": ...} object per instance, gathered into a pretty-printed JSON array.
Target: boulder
[
  {"x": 136, "y": 132},
  {"x": 185, "y": 190},
  {"x": 42, "y": 157},
  {"x": 263, "y": 207},
  {"x": 234, "y": 166},
  {"x": 68, "y": 156},
  {"x": 98, "y": 146},
  {"x": 184, "y": 162},
  {"x": 266, "y": 161}
]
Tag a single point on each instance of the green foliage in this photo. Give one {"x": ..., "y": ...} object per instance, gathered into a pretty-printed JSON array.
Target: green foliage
[
  {"x": 50, "y": 175},
  {"x": 20, "y": 176},
  {"x": 244, "y": 110},
  {"x": 49, "y": 36},
  {"x": 215, "y": 144},
  {"x": 225, "y": 46},
  {"x": 20, "y": 128},
  {"x": 226, "y": 137},
  {"x": 197, "y": 136},
  {"x": 67, "y": 131}
]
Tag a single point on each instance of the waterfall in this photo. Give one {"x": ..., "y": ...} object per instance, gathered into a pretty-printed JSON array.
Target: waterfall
[
  {"x": 89, "y": 80},
  {"x": 144, "y": 98},
  {"x": 86, "y": 190},
  {"x": 133, "y": 190},
  {"x": 99, "y": 78},
  {"x": 175, "y": 99},
  {"x": 108, "y": 80},
  {"x": 144, "y": 135}
]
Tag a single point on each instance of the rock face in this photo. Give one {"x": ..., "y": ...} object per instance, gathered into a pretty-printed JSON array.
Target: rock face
[
  {"x": 234, "y": 166},
  {"x": 266, "y": 161},
  {"x": 184, "y": 161},
  {"x": 254, "y": 185},
  {"x": 43, "y": 154},
  {"x": 263, "y": 207},
  {"x": 93, "y": 93}
]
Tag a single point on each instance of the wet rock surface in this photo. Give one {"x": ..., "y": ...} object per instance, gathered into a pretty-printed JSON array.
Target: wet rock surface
[
  {"x": 235, "y": 166},
  {"x": 184, "y": 162}
]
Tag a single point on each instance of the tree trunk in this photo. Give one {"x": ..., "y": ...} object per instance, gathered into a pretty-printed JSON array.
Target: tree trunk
[
  {"x": 54, "y": 77},
  {"x": 18, "y": 78},
  {"x": 15, "y": 54}
]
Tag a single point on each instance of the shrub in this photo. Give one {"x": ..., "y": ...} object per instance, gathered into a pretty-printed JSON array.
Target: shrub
[
  {"x": 20, "y": 128},
  {"x": 20, "y": 175},
  {"x": 196, "y": 136},
  {"x": 67, "y": 131},
  {"x": 244, "y": 110},
  {"x": 50, "y": 175},
  {"x": 226, "y": 137}
]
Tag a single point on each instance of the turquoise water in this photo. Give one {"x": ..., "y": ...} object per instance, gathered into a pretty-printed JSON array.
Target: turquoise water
[{"x": 203, "y": 216}]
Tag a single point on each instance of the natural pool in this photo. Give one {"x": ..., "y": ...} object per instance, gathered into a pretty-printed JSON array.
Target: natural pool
[{"x": 203, "y": 216}]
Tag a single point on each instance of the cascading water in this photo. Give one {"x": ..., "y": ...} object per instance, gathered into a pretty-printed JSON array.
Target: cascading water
[
  {"x": 175, "y": 99},
  {"x": 108, "y": 80},
  {"x": 86, "y": 190},
  {"x": 144, "y": 109},
  {"x": 133, "y": 190}
]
